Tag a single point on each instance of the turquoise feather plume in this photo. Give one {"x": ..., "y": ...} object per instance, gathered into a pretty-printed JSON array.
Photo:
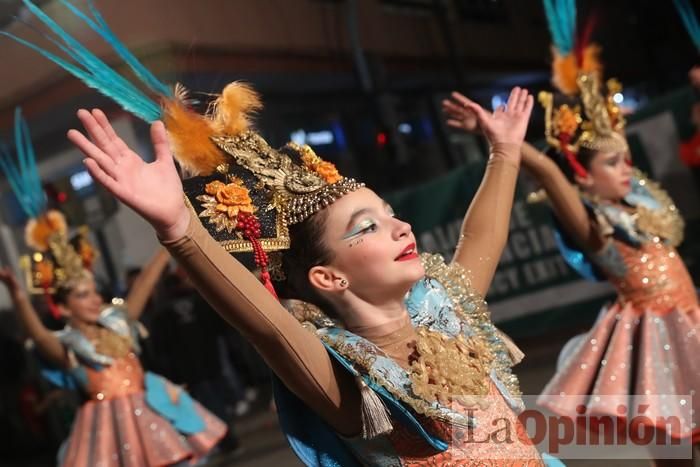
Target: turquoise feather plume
[
  {"x": 94, "y": 72},
  {"x": 561, "y": 20},
  {"x": 690, "y": 20},
  {"x": 23, "y": 177}
]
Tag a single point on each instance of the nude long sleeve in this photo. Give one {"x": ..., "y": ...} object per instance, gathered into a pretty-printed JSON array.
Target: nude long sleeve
[
  {"x": 485, "y": 226},
  {"x": 563, "y": 196},
  {"x": 296, "y": 356},
  {"x": 46, "y": 341},
  {"x": 145, "y": 282}
]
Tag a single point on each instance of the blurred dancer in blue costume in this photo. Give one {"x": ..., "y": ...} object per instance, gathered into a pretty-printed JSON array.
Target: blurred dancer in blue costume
[{"x": 129, "y": 417}]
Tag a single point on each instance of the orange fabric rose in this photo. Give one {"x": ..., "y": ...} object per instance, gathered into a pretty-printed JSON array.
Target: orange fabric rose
[
  {"x": 231, "y": 198},
  {"x": 44, "y": 273},
  {"x": 328, "y": 172},
  {"x": 566, "y": 120},
  {"x": 87, "y": 253},
  {"x": 213, "y": 188}
]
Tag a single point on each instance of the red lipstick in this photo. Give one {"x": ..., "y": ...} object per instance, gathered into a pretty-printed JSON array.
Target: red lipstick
[{"x": 408, "y": 253}]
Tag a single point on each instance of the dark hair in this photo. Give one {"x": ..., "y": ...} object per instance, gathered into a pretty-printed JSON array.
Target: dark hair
[
  {"x": 60, "y": 296},
  {"x": 306, "y": 251},
  {"x": 585, "y": 157}
]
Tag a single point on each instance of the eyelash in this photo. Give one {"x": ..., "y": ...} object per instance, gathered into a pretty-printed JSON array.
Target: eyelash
[
  {"x": 371, "y": 227},
  {"x": 614, "y": 161}
]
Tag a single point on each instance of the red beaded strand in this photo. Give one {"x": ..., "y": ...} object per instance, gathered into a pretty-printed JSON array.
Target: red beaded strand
[{"x": 250, "y": 226}]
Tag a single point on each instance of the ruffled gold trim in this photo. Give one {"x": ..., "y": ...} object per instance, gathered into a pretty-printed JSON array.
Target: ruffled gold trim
[
  {"x": 471, "y": 307},
  {"x": 107, "y": 342},
  {"x": 666, "y": 222}
]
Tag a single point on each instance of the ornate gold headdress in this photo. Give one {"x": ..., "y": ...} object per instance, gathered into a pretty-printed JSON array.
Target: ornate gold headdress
[
  {"x": 247, "y": 193},
  {"x": 592, "y": 119},
  {"x": 56, "y": 260},
  {"x": 585, "y": 113}
]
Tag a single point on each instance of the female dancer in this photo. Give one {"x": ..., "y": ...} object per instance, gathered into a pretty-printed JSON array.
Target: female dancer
[
  {"x": 616, "y": 225},
  {"x": 129, "y": 417}
]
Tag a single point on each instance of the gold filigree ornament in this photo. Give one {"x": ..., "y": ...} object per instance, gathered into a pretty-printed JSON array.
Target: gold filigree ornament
[
  {"x": 591, "y": 119},
  {"x": 285, "y": 186},
  {"x": 298, "y": 189},
  {"x": 88, "y": 253},
  {"x": 600, "y": 131},
  {"x": 327, "y": 171},
  {"x": 108, "y": 342},
  {"x": 665, "y": 222},
  {"x": 451, "y": 369},
  {"x": 38, "y": 230},
  {"x": 557, "y": 120}
]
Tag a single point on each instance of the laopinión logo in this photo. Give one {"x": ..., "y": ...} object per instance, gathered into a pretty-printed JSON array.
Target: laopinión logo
[{"x": 582, "y": 427}]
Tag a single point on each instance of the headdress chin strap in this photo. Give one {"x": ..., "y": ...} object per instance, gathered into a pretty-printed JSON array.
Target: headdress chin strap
[
  {"x": 53, "y": 308},
  {"x": 572, "y": 157}
]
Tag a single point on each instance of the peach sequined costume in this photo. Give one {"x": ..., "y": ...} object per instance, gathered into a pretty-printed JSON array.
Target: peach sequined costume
[
  {"x": 646, "y": 343},
  {"x": 116, "y": 426}
]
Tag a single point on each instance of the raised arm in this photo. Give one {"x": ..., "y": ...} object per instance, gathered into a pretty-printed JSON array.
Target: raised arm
[
  {"x": 154, "y": 191},
  {"x": 145, "y": 282},
  {"x": 46, "y": 341},
  {"x": 485, "y": 227},
  {"x": 563, "y": 196}
]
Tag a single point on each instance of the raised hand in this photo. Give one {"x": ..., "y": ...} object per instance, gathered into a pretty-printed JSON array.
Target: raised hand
[
  {"x": 153, "y": 190},
  {"x": 8, "y": 278},
  {"x": 507, "y": 124},
  {"x": 458, "y": 114}
]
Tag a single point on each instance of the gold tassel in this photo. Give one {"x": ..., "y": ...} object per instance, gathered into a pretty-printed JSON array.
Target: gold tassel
[
  {"x": 142, "y": 330},
  {"x": 516, "y": 355},
  {"x": 375, "y": 416}
]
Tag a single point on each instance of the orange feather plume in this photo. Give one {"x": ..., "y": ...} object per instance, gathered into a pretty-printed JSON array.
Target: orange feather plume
[
  {"x": 565, "y": 68},
  {"x": 190, "y": 136},
  {"x": 190, "y": 132},
  {"x": 231, "y": 112},
  {"x": 39, "y": 231}
]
